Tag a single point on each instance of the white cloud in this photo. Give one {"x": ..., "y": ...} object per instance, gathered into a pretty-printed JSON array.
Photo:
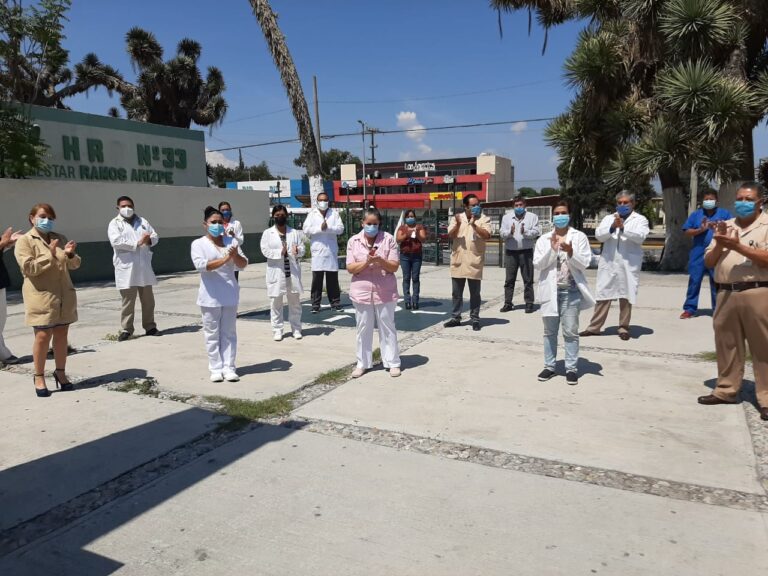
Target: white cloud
[
  {"x": 519, "y": 127},
  {"x": 218, "y": 159},
  {"x": 408, "y": 121},
  {"x": 425, "y": 149}
]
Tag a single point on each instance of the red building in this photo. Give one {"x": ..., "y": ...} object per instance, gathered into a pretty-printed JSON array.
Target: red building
[{"x": 425, "y": 184}]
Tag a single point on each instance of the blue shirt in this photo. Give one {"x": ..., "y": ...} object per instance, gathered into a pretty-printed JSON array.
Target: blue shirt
[{"x": 701, "y": 241}]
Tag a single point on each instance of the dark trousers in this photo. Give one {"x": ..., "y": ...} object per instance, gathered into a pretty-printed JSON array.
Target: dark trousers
[
  {"x": 458, "y": 297},
  {"x": 411, "y": 265},
  {"x": 519, "y": 260},
  {"x": 331, "y": 283}
]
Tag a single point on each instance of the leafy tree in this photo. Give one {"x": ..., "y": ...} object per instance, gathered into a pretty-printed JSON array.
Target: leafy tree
[
  {"x": 762, "y": 173},
  {"x": 527, "y": 191},
  {"x": 664, "y": 88},
  {"x": 548, "y": 191},
  {"x": 172, "y": 92},
  {"x": 33, "y": 64},
  {"x": 22, "y": 152},
  {"x": 290, "y": 78},
  {"x": 222, "y": 174},
  {"x": 331, "y": 159}
]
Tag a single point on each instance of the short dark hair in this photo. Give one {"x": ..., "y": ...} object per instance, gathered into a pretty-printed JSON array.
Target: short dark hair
[
  {"x": 756, "y": 186},
  {"x": 210, "y": 211},
  {"x": 224, "y": 202},
  {"x": 372, "y": 211},
  {"x": 279, "y": 208},
  {"x": 323, "y": 193},
  {"x": 410, "y": 211},
  {"x": 122, "y": 198},
  {"x": 469, "y": 197},
  {"x": 710, "y": 193},
  {"x": 519, "y": 199},
  {"x": 563, "y": 203}
]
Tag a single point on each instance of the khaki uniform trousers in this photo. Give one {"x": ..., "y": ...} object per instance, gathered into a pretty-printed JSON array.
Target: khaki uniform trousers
[
  {"x": 741, "y": 316},
  {"x": 147, "y": 298},
  {"x": 600, "y": 315}
]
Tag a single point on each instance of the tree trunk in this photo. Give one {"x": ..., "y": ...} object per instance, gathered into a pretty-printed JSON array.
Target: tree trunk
[
  {"x": 676, "y": 244},
  {"x": 290, "y": 77}
]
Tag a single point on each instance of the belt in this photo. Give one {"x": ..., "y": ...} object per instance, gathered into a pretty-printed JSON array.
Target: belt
[{"x": 741, "y": 286}]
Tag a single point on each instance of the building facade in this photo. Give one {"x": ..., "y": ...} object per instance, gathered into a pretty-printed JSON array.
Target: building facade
[{"x": 429, "y": 184}]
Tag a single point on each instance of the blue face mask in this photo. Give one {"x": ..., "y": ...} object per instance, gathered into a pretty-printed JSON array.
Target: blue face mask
[
  {"x": 744, "y": 208},
  {"x": 709, "y": 204},
  {"x": 371, "y": 230},
  {"x": 227, "y": 214},
  {"x": 216, "y": 230},
  {"x": 519, "y": 211},
  {"x": 476, "y": 210},
  {"x": 624, "y": 210},
  {"x": 561, "y": 220},
  {"x": 410, "y": 221},
  {"x": 44, "y": 224}
]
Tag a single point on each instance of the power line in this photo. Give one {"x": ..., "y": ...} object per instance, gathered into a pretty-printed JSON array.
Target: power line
[{"x": 399, "y": 131}]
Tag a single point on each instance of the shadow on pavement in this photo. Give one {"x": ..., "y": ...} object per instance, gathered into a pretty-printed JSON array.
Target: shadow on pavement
[
  {"x": 67, "y": 554},
  {"x": 119, "y": 376},
  {"x": 634, "y": 331},
  {"x": 181, "y": 330},
  {"x": 408, "y": 361},
  {"x": 276, "y": 365},
  {"x": 318, "y": 331}
]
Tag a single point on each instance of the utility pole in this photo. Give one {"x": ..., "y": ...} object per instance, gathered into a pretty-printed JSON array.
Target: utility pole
[
  {"x": 373, "y": 161},
  {"x": 365, "y": 190},
  {"x": 317, "y": 125}
]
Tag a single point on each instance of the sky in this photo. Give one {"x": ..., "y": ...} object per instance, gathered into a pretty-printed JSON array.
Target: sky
[{"x": 393, "y": 64}]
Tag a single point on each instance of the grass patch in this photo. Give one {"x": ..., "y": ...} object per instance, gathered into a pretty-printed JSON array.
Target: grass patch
[
  {"x": 712, "y": 356},
  {"x": 143, "y": 386},
  {"x": 110, "y": 337},
  {"x": 334, "y": 376},
  {"x": 243, "y": 412}
]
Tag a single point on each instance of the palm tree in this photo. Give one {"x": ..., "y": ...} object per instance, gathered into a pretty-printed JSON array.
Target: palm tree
[
  {"x": 173, "y": 92},
  {"x": 663, "y": 86},
  {"x": 34, "y": 65},
  {"x": 290, "y": 77}
]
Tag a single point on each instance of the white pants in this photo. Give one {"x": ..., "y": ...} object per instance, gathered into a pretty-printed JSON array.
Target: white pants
[
  {"x": 366, "y": 315},
  {"x": 294, "y": 309},
  {"x": 219, "y": 329},
  {"x": 4, "y": 352}
]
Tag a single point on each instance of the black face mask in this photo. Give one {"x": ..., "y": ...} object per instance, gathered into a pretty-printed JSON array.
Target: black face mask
[{"x": 281, "y": 220}]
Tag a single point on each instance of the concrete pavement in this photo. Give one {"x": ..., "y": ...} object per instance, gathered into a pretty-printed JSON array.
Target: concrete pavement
[{"x": 464, "y": 465}]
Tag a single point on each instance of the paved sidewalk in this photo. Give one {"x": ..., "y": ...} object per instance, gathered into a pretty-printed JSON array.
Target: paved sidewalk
[{"x": 464, "y": 465}]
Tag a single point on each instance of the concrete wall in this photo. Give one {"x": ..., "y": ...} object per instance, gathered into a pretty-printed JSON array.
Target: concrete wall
[
  {"x": 501, "y": 186},
  {"x": 84, "y": 210}
]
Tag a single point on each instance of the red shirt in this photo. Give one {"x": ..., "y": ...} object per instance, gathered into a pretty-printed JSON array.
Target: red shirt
[{"x": 411, "y": 244}]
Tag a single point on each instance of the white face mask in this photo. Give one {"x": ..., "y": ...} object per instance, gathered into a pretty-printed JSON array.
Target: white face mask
[
  {"x": 126, "y": 212},
  {"x": 322, "y": 205}
]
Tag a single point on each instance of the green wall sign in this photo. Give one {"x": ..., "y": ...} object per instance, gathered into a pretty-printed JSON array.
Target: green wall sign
[{"x": 101, "y": 148}]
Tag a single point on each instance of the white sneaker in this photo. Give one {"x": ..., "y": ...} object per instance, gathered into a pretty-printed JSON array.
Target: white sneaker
[
  {"x": 278, "y": 335},
  {"x": 394, "y": 372},
  {"x": 357, "y": 372},
  {"x": 297, "y": 335},
  {"x": 216, "y": 377},
  {"x": 231, "y": 376}
]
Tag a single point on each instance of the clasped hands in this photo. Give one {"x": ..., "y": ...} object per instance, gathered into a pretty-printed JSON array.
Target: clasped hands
[{"x": 558, "y": 243}]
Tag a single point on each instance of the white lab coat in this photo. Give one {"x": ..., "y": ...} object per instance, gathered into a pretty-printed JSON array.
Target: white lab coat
[
  {"x": 618, "y": 271},
  {"x": 237, "y": 230},
  {"x": 133, "y": 263},
  {"x": 272, "y": 248},
  {"x": 545, "y": 261},
  {"x": 324, "y": 243}
]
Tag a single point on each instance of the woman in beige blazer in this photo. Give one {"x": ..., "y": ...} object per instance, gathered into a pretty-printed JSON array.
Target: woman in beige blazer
[{"x": 50, "y": 302}]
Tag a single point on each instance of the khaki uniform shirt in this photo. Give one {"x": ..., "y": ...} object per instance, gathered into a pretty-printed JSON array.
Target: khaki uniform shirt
[
  {"x": 732, "y": 266},
  {"x": 468, "y": 252}
]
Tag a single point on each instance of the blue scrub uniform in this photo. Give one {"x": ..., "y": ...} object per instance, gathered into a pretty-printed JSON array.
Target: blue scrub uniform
[{"x": 696, "y": 268}]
